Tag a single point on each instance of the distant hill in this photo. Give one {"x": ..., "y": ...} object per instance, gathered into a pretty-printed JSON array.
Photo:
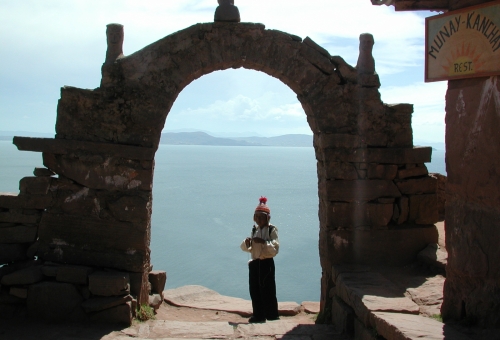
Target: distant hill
[{"x": 202, "y": 138}]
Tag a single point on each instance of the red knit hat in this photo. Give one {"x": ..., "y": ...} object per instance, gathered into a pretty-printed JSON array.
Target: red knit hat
[{"x": 262, "y": 207}]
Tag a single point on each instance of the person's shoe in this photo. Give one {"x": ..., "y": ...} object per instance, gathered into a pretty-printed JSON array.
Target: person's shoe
[{"x": 253, "y": 319}]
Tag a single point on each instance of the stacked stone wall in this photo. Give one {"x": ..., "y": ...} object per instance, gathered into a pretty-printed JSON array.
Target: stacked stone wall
[
  {"x": 377, "y": 203},
  {"x": 75, "y": 246}
]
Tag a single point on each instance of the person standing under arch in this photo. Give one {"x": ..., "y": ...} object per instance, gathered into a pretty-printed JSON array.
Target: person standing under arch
[{"x": 263, "y": 245}]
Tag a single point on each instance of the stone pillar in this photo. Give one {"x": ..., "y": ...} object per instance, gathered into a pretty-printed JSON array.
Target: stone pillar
[{"x": 473, "y": 201}]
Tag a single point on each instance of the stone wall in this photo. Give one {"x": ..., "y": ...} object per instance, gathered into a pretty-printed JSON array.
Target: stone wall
[
  {"x": 473, "y": 202},
  {"x": 377, "y": 202}
]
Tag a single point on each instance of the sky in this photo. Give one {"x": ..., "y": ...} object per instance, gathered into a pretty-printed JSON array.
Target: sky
[{"x": 52, "y": 43}]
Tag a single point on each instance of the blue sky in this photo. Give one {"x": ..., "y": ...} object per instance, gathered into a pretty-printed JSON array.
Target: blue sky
[{"x": 51, "y": 43}]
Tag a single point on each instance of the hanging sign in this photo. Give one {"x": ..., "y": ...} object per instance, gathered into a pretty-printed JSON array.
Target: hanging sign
[{"x": 463, "y": 43}]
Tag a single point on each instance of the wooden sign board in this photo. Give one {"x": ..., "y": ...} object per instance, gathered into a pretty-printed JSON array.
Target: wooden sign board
[{"x": 463, "y": 43}]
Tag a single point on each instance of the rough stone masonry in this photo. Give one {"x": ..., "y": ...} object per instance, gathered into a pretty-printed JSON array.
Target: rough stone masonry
[{"x": 79, "y": 230}]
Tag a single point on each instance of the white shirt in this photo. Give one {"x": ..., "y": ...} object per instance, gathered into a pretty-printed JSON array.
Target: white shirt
[{"x": 266, "y": 250}]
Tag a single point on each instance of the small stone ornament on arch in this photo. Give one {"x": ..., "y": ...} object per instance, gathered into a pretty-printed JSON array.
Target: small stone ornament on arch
[{"x": 226, "y": 12}]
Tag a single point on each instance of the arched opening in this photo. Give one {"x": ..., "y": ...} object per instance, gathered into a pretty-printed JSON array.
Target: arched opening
[{"x": 204, "y": 195}]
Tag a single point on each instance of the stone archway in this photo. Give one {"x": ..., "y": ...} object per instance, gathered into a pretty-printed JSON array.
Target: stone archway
[{"x": 372, "y": 183}]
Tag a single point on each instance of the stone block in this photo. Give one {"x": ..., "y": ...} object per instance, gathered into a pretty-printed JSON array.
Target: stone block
[
  {"x": 8, "y": 299},
  {"x": 155, "y": 301},
  {"x": 342, "y": 316},
  {"x": 423, "y": 209},
  {"x": 25, "y": 201},
  {"x": 382, "y": 171},
  {"x": 24, "y": 276},
  {"x": 49, "y": 270},
  {"x": 121, "y": 314},
  {"x": 19, "y": 217},
  {"x": 418, "y": 171},
  {"x": 96, "y": 304},
  {"x": 35, "y": 185},
  {"x": 157, "y": 278},
  {"x": 379, "y": 215},
  {"x": 55, "y": 301},
  {"x": 12, "y": 252},
  {"x": 93, "y": 242},
  {"x": 63, "y": 146},
  {"x": 32, "y": 250},
  {"x": 19, "y": 292},
  {"x": 401, "y": 210},
  {"x": 112, "y": 176},
  {"x": 109, "y": 283},
  {"x": 400, "y": 326},
  {"x": 43, "y": 172},
  {"x": 388, "y": 247},
  {"x": 73, "y": 274},
  {"x": 416, "y": 186},
  {"x": 340, "y": 170},
  {"x": 358, "y": 190},
  {"x": 368, "y": 292},
  {"x": 362, "y": 332},
  {"x": 131, "y": 208},
  {"x": 18, "y": 234},
  {"x": 348, "y": 215},
  {"x": 338, "y": 140}
]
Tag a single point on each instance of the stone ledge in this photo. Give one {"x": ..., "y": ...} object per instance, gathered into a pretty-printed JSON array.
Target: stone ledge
[
  {"x": 65, "y": 146},
  {"x": 398, "y": 326}
]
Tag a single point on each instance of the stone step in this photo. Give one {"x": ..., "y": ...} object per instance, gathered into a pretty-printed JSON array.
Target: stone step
[
  {"x": 164, "y": 329},
  {"x": 396, "y": 326}
]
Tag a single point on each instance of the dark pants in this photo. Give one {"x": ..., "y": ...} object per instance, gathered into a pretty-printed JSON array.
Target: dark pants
[{"x": 263, "y": 289}]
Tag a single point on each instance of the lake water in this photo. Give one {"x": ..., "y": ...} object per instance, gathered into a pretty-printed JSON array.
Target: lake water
[{"x": 203, "y": 203}]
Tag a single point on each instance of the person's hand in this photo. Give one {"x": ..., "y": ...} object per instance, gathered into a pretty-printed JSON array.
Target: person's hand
[
  {"x": 248, "y": 242},
  {"x": 258, "y": 240}
]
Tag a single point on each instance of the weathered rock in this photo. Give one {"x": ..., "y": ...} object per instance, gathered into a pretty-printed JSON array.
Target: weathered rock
[
  {"x": 131, "y": 208},
  {"x": 35, "y": 185},
  {"x": 359, "y": 190},
  {"x": 179, "y": 329},
  {"x": 155, "y": 301},
  {"x": 393, "y": 246},
  {"x": 311, "y": 307},
  {"x": 284, "y": 330},
  {"x": 55, "y": 301},
  {"x": 441, "y": 194},
  {"x": 93, "y": 242},
  {"x": 19, "y": 292},
  {"x": 423, "y": 209},
  {"x": 65, "y": 146},
  {"x": 32, "y": 250},
  {"x": 43, "y": 172},
  {"x": 157, "y": 278},
  {"x": 369, "y": 292},
  {"x": 49, "y": 270},
  {"x": 433, "y": 256},
  {"x": 25, "y": 202},
  {"x": 19, "y": 217},
  {"x": 405, "y": 326},
  {"x": 95, "y": 304},
  {"x": 8, "y": 299},
  {"x": 417, "y": 171},
  {"x": 342, "y": 316},
  {"x": 426, "y": 185},
  {"x": 288, "y": 308},
  {"x": 121, "y": 314},
  {"x": 74, "y": 274},
  {"x": 429, "y": 295},
  {"x": 204, "y": 298},
  {"x": 24, "y": 276},
  {"x": 109, "y": 283},
  {"x": 382, "y": 171},
  {"x": 18, "y": 234},
  {"x": 227, "y": 12}
]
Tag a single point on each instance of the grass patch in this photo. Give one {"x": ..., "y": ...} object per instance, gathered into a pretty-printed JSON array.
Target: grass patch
[
  {"x": 145, "y": 313},
  {"x": 437, "y": 317}
]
